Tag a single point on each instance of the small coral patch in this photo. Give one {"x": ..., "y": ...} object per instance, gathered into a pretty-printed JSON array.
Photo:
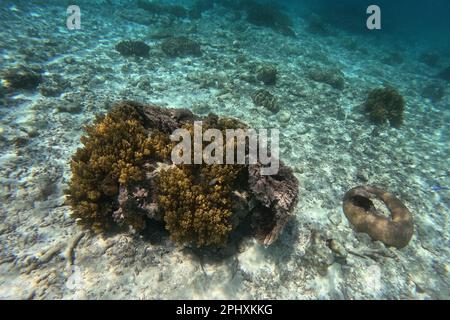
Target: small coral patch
[{"x": 385, "y": 104}]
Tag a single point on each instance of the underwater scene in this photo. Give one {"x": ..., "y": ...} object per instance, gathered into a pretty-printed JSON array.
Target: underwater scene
[{"x": 225, "y": 149}]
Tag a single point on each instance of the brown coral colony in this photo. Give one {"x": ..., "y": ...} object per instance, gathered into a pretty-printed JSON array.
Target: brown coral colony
[{"x": 123, "y": 176}]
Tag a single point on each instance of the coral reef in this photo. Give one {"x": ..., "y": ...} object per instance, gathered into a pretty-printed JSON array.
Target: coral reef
[
  {"x": 129, "y": 48},
  {"x": 124, "y": 176},
  {"x": 362, "y": 214},
  {"x": 266, "y": 99},
  {"x": 334, "y": 77},
  {"x": 22, "y": 77},
  {"x": 385, "y": 104},
  {"x": 267, "y": 74},
  {"x": 181, "y": 46}
]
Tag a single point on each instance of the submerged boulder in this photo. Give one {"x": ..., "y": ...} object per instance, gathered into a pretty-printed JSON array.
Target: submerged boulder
[{"x": 129, "y": 48}]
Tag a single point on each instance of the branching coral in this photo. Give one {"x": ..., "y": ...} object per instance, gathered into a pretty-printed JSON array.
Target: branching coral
[
  {"x": 385, "y": 104},
  {"x": 197, "y": 199},
  {"x": 197, "y": 203}
]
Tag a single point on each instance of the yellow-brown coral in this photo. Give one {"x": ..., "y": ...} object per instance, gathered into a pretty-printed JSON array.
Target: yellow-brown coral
[
  {"x": 197, "y": 204},
  {"x": 196, "y": 199},
  {"x": 116, "y": 178},
  {"x": 115, "y": 150}
]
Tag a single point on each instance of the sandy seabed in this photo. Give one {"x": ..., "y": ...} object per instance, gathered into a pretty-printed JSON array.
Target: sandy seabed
[{"x": 330, "y": 145}]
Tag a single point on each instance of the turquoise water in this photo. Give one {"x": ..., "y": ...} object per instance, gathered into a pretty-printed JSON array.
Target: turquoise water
[{"x": 58, "y": 72}]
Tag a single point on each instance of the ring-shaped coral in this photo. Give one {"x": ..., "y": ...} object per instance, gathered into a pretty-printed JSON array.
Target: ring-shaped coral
[{"x": 395, "y": 231}]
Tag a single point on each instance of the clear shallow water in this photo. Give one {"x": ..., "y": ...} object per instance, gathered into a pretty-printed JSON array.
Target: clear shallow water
[{"x": 331, "y": 146}]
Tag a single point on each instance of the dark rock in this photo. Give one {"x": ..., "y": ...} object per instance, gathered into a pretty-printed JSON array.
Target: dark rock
[
  {"x": 133, "y": 48},
  {"x": 180, "y": 46},
  {"x": 22, "y": 77},
  {"x": 267, "y": 74},
  {"x": 276, "y": 192},
  {"x": 385, "y": 104}
]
